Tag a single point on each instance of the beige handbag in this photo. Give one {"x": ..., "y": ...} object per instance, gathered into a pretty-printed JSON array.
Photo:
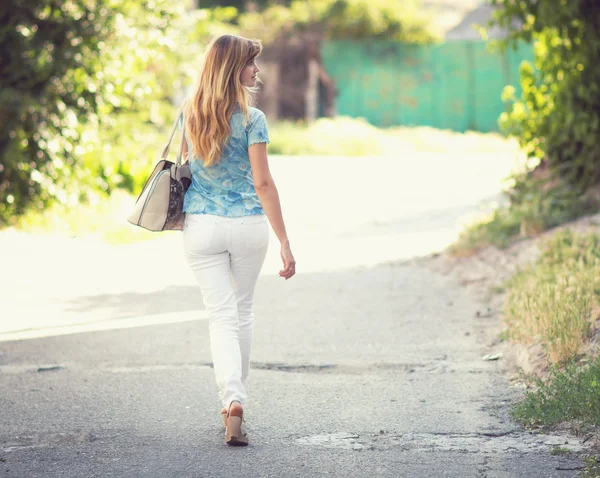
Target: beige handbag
[{"x": 160, "y": 204}]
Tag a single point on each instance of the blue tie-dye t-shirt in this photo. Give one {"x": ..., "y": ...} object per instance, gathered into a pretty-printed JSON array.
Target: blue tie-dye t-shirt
[{"x": 227, "y": 188}]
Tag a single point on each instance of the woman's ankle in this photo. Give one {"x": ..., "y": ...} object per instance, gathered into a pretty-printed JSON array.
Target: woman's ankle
[{"x": 236, "y": 409}]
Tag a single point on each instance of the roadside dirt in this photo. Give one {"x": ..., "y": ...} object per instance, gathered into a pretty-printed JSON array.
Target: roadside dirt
[{"x": 483, "y": 273}]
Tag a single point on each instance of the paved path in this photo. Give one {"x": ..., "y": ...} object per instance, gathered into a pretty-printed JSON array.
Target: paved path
[
  {"x": 359, "y": 371},
  {"x": 341, "y": 213}
]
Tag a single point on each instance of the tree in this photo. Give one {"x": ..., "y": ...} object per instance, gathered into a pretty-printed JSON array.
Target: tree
[
  {"x": 557, "y": 119},
  {"x": 48, "y": 56},
  {"x": 67, "y": 68},
  {"x": 341, "y": 20}
]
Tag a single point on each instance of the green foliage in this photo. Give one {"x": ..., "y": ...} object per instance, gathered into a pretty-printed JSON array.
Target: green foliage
[
  {"x": 592, "y": 467},
  {"x": 87, "y": 92},
  {"x": 541, "y": 205},
  {"x": 49, "y": 56},
  {"x": 341, "y": 20},
  {"x": 557, "y": 118},
  {"x": 552, "y": 300},
  {"x": 69, "y": 68},
  {"x": 166, "y": 62},
  {"x": 377, "y": 19},
  {"x": 571, "y": 393}
]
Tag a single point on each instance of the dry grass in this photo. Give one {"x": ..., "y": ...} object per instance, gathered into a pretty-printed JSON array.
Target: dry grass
[
  {"x": 343, "y": 136},
  {"x": 553, "y": 301},
  {"x": 537, "y": 209},
  {"x": 104, "y": 219},
  {"x": 498, "y": 228}
]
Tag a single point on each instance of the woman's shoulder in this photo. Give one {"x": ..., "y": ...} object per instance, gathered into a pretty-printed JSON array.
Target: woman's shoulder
[
  {"x": 254, "y": 113},
  {"x": 256, "y": 119}
]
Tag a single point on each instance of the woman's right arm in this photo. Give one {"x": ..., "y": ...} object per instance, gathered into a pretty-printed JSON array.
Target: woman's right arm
[{"x": 269, "y": 199}]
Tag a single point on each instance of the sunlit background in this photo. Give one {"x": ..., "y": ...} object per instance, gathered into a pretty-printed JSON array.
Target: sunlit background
[{"x": 383, "y": 117}]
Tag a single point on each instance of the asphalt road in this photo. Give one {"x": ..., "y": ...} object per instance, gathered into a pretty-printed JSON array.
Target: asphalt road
[
  {"x": 359, "y": 370},
  {"x": 366, "y": 372}
]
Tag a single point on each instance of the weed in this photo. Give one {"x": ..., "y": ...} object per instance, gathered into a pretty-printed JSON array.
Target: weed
[
  {"x": 530, "y": 210},
  {"x": 498, "y": 229},
  {"x": 570, "y": 393},
  {"x": 503, "y": 336},
  {"x": 592, "y": 467},
  {"x": 499, "y": 289},
  {"x": 552, "y": 300},
  {"x": 557, "y": 450}
]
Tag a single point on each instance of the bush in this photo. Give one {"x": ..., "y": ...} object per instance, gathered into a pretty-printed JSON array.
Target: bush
[
  {"x": 498, "y": 229},
  {"x": 571, "y": 393},
  {"x": 50, "y": 66},
  {"x": 532, "y": 208},
  {"x": 69, "y": 69},
  {"x": 557, "y": 118}
]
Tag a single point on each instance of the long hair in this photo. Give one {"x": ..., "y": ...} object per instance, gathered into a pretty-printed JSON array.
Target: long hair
[{"x": 218, "y": 93}]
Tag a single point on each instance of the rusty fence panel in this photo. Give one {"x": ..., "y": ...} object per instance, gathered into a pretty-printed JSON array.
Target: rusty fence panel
[{"x": 455, "y": 85}]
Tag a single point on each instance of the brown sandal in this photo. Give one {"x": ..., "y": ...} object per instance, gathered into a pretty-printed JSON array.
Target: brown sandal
[{"x": 233, "y": 427}]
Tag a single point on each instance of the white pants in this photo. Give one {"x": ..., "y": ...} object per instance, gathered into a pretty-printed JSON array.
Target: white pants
[{"x": 226, "y": 255}]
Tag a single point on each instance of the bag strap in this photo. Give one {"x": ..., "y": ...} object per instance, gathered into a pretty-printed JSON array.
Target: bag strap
[
  {"x": 180, "y": 151},
  {"x": 173, "y": 129}
]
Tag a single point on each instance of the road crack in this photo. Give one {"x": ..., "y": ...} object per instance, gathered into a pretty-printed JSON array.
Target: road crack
[{"x": 483, "y": 442}]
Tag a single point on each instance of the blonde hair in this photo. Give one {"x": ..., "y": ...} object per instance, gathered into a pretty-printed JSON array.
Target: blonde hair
[{"x": 219, "y": 91}]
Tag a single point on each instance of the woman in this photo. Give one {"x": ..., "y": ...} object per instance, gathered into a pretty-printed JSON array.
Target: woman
[{"x": 226, "y": 232}]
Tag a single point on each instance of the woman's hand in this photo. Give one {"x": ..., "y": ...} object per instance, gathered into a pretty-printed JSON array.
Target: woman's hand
[{"x": 289, "y": 264}]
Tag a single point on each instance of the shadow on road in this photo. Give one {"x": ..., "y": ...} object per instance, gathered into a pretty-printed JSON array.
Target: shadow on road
[{"x": 168, "y": 300}]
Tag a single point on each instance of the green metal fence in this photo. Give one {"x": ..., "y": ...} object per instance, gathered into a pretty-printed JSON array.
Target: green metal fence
[{"x": 455, "y": 85}]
